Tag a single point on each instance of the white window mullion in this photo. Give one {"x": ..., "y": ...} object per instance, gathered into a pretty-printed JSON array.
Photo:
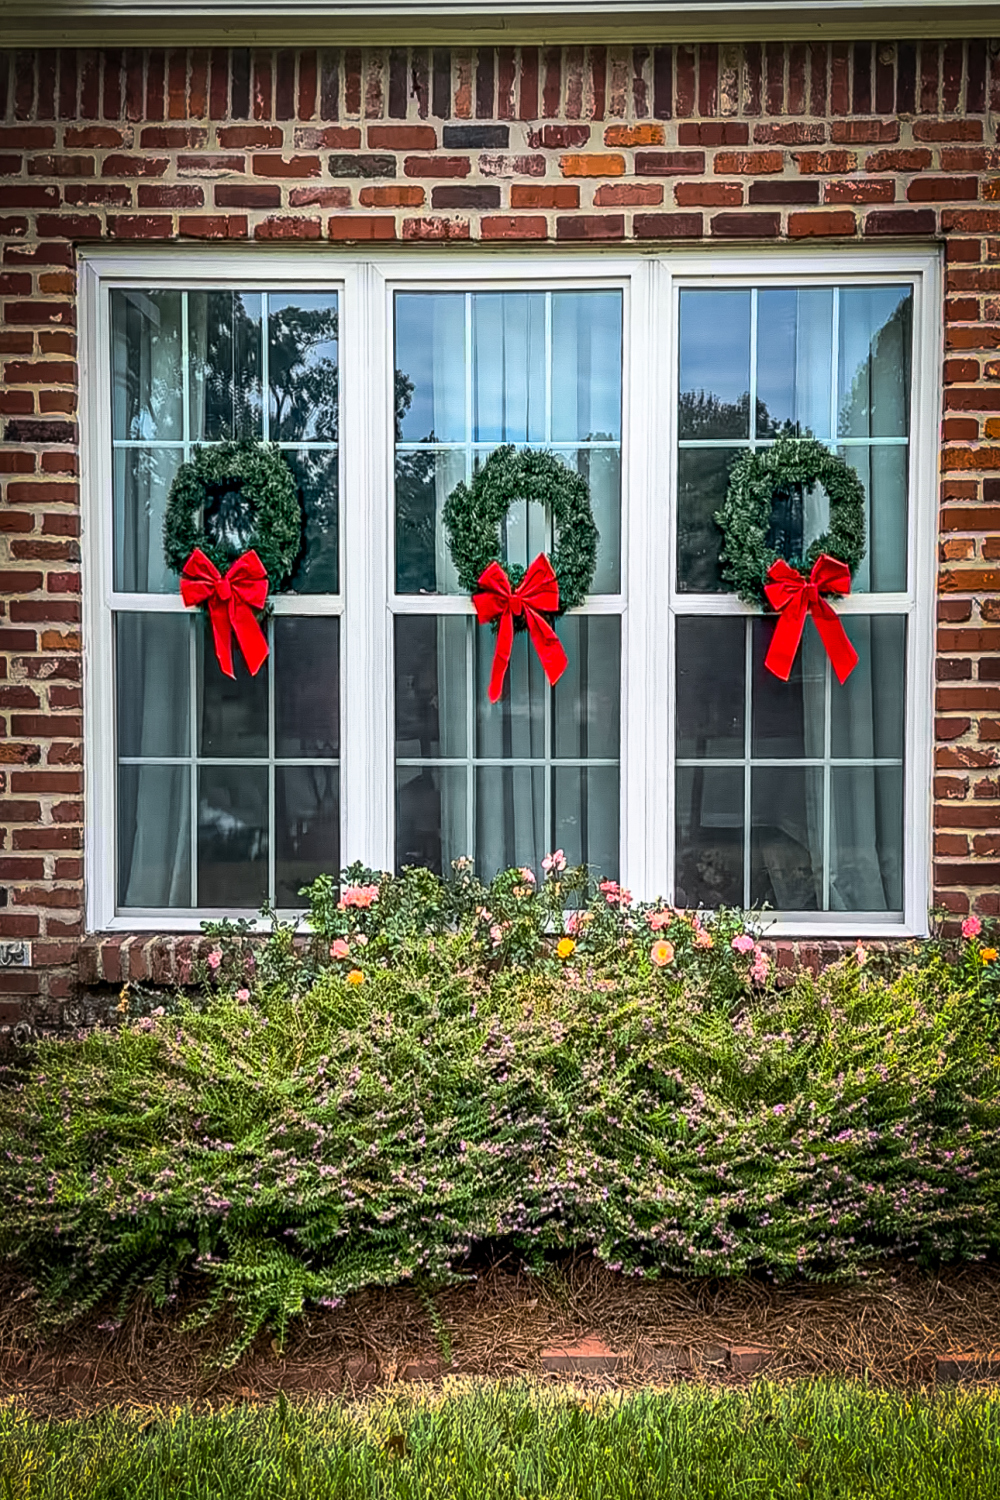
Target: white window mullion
[{"x": 366, "y": 690}]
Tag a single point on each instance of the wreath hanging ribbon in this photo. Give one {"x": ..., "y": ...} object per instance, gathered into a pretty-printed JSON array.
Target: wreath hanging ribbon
[
  {"x": 538, "y": 590},
  {"x": 231, "y": 599},
  {"x": 794, "y": 596}
]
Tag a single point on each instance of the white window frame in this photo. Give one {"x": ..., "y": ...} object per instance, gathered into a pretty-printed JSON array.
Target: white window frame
[{"x": 649, "y": 601}]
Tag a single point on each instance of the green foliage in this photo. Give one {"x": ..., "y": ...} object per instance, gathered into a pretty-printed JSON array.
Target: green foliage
[
  {"x": 756, "y": 480},
  {"x": 822, "y": 1440},
  {"x": 474, "y": 515},
  {"x": 251, "y": 492},
  {"x": 445, "y": 1070}
]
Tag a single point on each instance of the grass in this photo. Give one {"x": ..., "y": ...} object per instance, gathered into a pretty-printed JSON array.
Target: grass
[{"x": 521, "y": 1442}]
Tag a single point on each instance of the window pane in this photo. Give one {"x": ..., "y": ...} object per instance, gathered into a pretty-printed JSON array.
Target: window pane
[
  {"x": 477, "y": 369},
  {"x": 883, "y": 472},
  {"x": 154, "y": 836},
  {"x": 868, "y": 710},
  {"x": 508, "y": 367},
  {"x": 514, "y": 727},
  {"x": 431, "y": 695},
  {"x": 142, "y": 480},
  {"x": 307, "y": 828},
  {"x": 786, "y": 837},
  {"x": 232, "y": 711},
  {"x": 873, "y": 396},
  {"x": 794, "y": 361},
  {"x": 423, "y": 483},
  {"x": 232, "y": 836},
  {"x": 306, "y": 686},
  {"x": 224, "y": 342},
  {"x": 510, "y": 818},
  {"x": 316, "y": 473},
  {"x": 702, "y": 481},
  {"x": 866, "y": 838},
  {"x": 430, "y": 367},
  {"x": 302, "y": 366},
  {"x": 585, "y": 817},
  {"x": 587, "y": 698},
  {"x": 152, "y": 655},
  {"x": 709, "y": 836},
  {"x": 146, "y": 371},
  {"x": 586, "y": 366},
  {"x": 714, "y": 364},
  {"x": 710, "y": 687},
  {"x": 431, "y": 817},
  {"x": 789, "y": 718}
]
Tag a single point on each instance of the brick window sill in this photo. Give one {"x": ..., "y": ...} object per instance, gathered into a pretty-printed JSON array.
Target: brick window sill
[{"x": 165, "y": 960}]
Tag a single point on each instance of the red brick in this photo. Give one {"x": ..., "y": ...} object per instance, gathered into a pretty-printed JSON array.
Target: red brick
[
  {"x": 795, "y": 133},
  {"x": 708, "y": 194},
  {"x": 971, "y": 220},
  {"x": 334, "y": 137},
  {"x": 91, "y": 194},
  {"x": 667, "y": 226},
  {"x": 294, "y": 166},
  {"x": 559, "y": 137},
  {"x": 69, "y": 226},
  {"x": 252, "y": 137},
  {"x": 942, "y": 189},
  {"x": 513, "y": 227},
  {"x": 401, "y": 195},
  {"x": 29, "y": 195},
  {"x": 628, "y": 195},
  {"x": 210, "y": 165},
  {"x": 140, "y": 227},
  {"x": 629, "y": 136},
  {"x": 27, "y": 137},
  {"x": 970, "y": 159},
  {"x": 102, "y": 137},
  {"x": 435, "y": 229},
  {"x": 825, "y": 161},
  {"x": 213, "y": 227},
  {"x": 170, "y": 195},
  {"x": 670, "y": 163},
  {"x": 437, "y": 166},
  {"x": 592, "y": 165},
  {"x": 746, "y": 226},
  {"x": 863, "y": 132},
  {"x": 358, "y": 227},
  {"x": 289, "y": 227},
  {"x": 592, "y": 227},
  {"x": 918, "y": 221},
  {"x": 912, "y": 160},
  {"x": 747, "y": 163},
  {"x": 589, "y": 1355},
  {"x": 61, "y": 166},
  {"x": 402, "y": 137},
  {"x": 713, "y": 133},
  {"x": 947, "y": 130},
  {"x": 122, "y": 165},
  {"x": 247, "y": 195},
  {"x": 544, "y": 195},
  {"x": 852, "y": 191}
]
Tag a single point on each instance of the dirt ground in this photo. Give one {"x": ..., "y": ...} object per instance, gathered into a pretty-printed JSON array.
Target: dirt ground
[{"x": 892, "y": 1328}]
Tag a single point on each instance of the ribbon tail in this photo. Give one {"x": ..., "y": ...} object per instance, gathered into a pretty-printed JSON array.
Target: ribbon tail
[
  {"x": 547, "y": 644},
  {"x": 222, "y": 634},
  {"x": 843, "y": 657},
  {"x": 252, "y": 640},
  {"x": 786, "y": 638},
  {"x": 501, "y": 655}
]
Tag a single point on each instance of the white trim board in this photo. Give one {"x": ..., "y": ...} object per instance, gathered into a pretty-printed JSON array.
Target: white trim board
[{"x": 648, "y": 603}]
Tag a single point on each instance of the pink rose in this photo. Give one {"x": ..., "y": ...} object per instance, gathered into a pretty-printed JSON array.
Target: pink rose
[
  {"x": 243, "y": 996},
  {"x": 703, "y": 939},
  {"x": 743, "y": 943},
  {"x": 214, "y": 959},
  {"x": 339, "y": 948},
  {"x": 658, "y": 919},
  {"x": 556, "y": 861},
  {"x": 971, "y": 927}
]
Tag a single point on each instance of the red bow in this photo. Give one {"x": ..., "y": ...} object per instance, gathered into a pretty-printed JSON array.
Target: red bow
[
  {"x": 793, "y": 598},
  {"x": 231, "y": 603},
  {"x": 537, "y": 590}
]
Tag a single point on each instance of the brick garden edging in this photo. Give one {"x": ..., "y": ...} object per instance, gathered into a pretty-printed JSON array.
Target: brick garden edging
[{"x": 725, "y": 144}]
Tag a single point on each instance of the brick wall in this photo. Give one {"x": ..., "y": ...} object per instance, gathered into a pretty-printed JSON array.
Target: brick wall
[{"x": 838, "y": 142}]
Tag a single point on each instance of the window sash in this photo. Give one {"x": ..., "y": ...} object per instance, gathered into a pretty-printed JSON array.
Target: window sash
[{"x": 649, "y": 602}]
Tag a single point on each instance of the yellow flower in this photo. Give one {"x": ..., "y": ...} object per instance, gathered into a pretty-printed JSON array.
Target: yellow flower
[
  {"x": 988, "y": 955},
  {"x": 355, "y": 977},
  {"x": 565, "y": 947}
]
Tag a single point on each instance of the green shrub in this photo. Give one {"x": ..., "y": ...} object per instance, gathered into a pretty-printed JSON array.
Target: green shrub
[{"x": 309, "y": 1124}]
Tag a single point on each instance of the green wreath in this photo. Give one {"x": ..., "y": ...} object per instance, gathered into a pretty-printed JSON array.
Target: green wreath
[
  {"x": 474, "y": 514},
  {"x": 256, "y": 500},
  {"x": 756, "y": 480}
]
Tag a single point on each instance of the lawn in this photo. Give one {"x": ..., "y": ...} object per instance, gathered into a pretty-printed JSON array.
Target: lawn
[{"x": 524, "y": 1442}]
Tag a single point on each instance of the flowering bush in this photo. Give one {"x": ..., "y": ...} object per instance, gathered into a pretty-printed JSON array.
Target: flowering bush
[{"x": 334, "y": 1117}]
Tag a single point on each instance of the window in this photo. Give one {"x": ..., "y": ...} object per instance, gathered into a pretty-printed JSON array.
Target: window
[{"x": 665, "y": 757}]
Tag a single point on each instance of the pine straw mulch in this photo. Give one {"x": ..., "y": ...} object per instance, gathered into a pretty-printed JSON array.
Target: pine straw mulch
[{"x": 889, "y": 1328}]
